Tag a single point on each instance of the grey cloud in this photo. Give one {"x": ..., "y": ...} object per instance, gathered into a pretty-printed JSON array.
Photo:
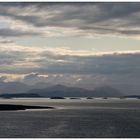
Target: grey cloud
[
  {"x": 106, "y": 64},
  {"x": 33, "y": 78},
  {"x": 8, "y": 58},
  {"x": 50, "y": 79},
  {"x": 118, "y": 64},
  {"x": 4, "y": 41},
  {"x": 115, "y": 70},
  {"x": 47, "y": 62},
  {"x": 7, "y": 32},
  {"x": 31, "y": 75},
  {"x": 66, "y": 64},
  {"x": 88, "y": 17},
  {"x": 2, "y": 78}
]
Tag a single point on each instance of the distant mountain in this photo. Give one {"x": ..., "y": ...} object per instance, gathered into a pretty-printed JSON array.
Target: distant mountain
[
  {"x": 64, "y": 91},
  {"x": 13, "y": 87},
  {"x": 47, "y": 90},
  {"x": 60, "y": 90},
  {"x": 132, "y": 96}
]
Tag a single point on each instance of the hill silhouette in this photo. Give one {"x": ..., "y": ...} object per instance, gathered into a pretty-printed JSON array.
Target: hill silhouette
[{"x": 64, "y": 91}]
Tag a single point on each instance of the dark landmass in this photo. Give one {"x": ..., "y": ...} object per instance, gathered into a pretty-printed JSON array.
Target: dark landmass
[
  {"x": 57, "y": 98},
  {"x": 105, "y": 98},
  {"x": 74, "y": 98},
  {"x": 89, "y": 98},
  {"x": 20, "y": 95},
  {"x": 8, "y": 107},
  {"x": 132, "y": 96},
  {"x": 64, "y": 91}
]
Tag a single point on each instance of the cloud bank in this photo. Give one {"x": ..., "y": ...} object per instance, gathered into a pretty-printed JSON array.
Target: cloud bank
[
  {"x": 75, "y": 19},
  {"x": 83, "y": 70}
]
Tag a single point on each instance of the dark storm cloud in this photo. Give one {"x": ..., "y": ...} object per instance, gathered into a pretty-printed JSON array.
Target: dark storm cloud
[
  {"x": 106, "y": 64},
  {"x": 99, "y": 18},
  {"x": 46, "y": 62}
]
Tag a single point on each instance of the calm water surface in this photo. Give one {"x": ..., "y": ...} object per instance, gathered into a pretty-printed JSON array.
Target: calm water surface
[{"x": 72, "y": 118}]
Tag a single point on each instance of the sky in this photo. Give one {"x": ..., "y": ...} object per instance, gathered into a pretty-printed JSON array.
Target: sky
[{"x": 85, "y": 44}]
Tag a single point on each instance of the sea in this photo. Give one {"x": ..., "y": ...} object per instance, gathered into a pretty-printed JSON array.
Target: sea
[{"x": 72, "y": 118}]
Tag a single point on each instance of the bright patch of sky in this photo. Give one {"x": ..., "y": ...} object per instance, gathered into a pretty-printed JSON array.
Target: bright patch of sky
[{"x": 102, "y": 44}]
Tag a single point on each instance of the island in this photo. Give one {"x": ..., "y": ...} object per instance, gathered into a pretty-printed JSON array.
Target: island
[
  {"x": 57, "y": 98},
  {"x": 89, "y": 98}
]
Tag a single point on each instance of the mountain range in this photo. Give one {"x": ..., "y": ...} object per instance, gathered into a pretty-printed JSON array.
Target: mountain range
[
  {"x": 64, "y": 91},
  {"x": 48, "y": 90}
]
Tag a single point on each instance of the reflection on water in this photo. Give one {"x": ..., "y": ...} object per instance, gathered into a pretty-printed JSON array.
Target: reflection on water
[
  {"x": 72, "y": 118},
  {"x": 76, "y": 103}
]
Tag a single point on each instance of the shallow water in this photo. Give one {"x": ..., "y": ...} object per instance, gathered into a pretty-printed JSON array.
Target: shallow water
[{"x": 72, "y": 118}]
